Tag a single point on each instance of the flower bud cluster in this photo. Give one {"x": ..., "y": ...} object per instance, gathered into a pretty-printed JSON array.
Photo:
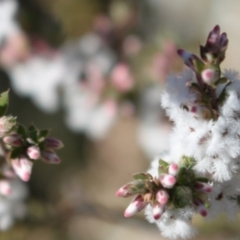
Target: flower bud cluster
[
  {"x": 175, "y": 186},
  {"x": 207, "y": 76},
  {"x": 19, "y": 149},
  {"x": 27, "y": 146}
]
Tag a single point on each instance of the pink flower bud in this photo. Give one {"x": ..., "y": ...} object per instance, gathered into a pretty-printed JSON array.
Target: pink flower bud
[
  {"x": 14, "y": 140},
  {"x": 135, "y": 206},
  {"x": 162, "y": 197},
  {"x": 203, "y": 187},
  {"x": 173, "y": 169},
  {"x": 22, "y": 167},
  {"x": 201, "y": 209},
  {"x": 124, "y": 191},
  {"x": 5, "y": 188},
  {"x": 167, "y": 180},
  {"x": 52, "y": 143},
  {"x": 209, "y": 76},
  {"x": 33, "y": 152},
  {"x": 49, "y": 156},
  {"x": 158, "y": 210}
]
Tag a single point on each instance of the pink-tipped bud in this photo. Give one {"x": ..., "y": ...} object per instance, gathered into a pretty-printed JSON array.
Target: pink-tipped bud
[
  {"x": 203, "y": 187},
  {"x": 162, "y": 197},
  {"x": 14, "y": 140},
  {"x": 209, "y": 76},
  {"x": 52, "y": 143},
  {"x": 124, "y": 191},
  {"x": 135, "y": 206},
  {"x": 213, "y": 36},
  {"x": 173, "y": 169},
  {"x": 22, "y": 167},
  {"x": 5, "y": 187},
  {"x": 49, "y": 156},
  {"x": 33, "y": 152},
  {"x": 167, "y": 180},
  {"x": 201, "y": 209},
  {"x": 158, "y": 210}
]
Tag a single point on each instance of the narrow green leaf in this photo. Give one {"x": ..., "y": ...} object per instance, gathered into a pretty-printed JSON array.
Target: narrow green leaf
[
  {"x": 4, "y": 100},
  {"x": 32, "y": 128},
  {"x": 223, "y": 95},
  {"x": 21, "y": 130},
  {"x": 142, "y": 176},
  {"x": 221, "y": 81},
  {"x": 163, "y": 166}
]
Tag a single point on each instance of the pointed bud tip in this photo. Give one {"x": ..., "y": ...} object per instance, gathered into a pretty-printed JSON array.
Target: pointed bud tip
[
  {"x": 180, "y": 52},
  {"x": 216, "y": 28},
  {"x": 118, "y": 193},
  {"x": 203, "y": 213}
]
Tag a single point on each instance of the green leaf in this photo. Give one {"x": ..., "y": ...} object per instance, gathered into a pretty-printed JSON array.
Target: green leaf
[
  {"x": 196, "y": 87},
  {"x": 142, "y": 176},
  {"x": 21, "y": 130},
  {"x": 221, "y": 81},
  {"x": 32, "y": 128},
  {"x": 137, "y": 187},
  {"x": 198, "y": 64},
  {"x": 187, "y": 162},
  {"x": 223, "y": 95},
  {"x": 42, "y": 135},
  {"x": 4, "y": 100},
  {"x": 163, "y": 166}
]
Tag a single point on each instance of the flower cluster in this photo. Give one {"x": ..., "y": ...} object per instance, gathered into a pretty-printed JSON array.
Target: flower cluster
[
  {"x": 19, "y": 149},
  {"x": 200, "y": 170}
]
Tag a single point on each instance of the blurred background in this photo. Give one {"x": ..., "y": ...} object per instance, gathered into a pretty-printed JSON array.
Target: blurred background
[{"x": 93, "y": 72}]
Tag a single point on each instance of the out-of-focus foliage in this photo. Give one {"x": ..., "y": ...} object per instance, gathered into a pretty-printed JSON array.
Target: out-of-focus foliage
[{"x": 56, "y": 64}]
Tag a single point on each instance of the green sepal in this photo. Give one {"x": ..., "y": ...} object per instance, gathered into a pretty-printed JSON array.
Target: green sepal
[
  {"x": 4, "y": 101},
  {"x": 142, "y": 176},
  {"x": 137, "y": 187},
  {"x": 198, "y": 64},
  {"x": 42, "y": 135},
  {"x": 221, "y": 81},
  {"x": 187, "y": 162},
  {"x": 21, "y": 130},
  {"x": 196, "y": 87},
  {"x": 163, "y": 166},
  {"x": 32, "y": 128},
  {"x": 223, "y": 95}
]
